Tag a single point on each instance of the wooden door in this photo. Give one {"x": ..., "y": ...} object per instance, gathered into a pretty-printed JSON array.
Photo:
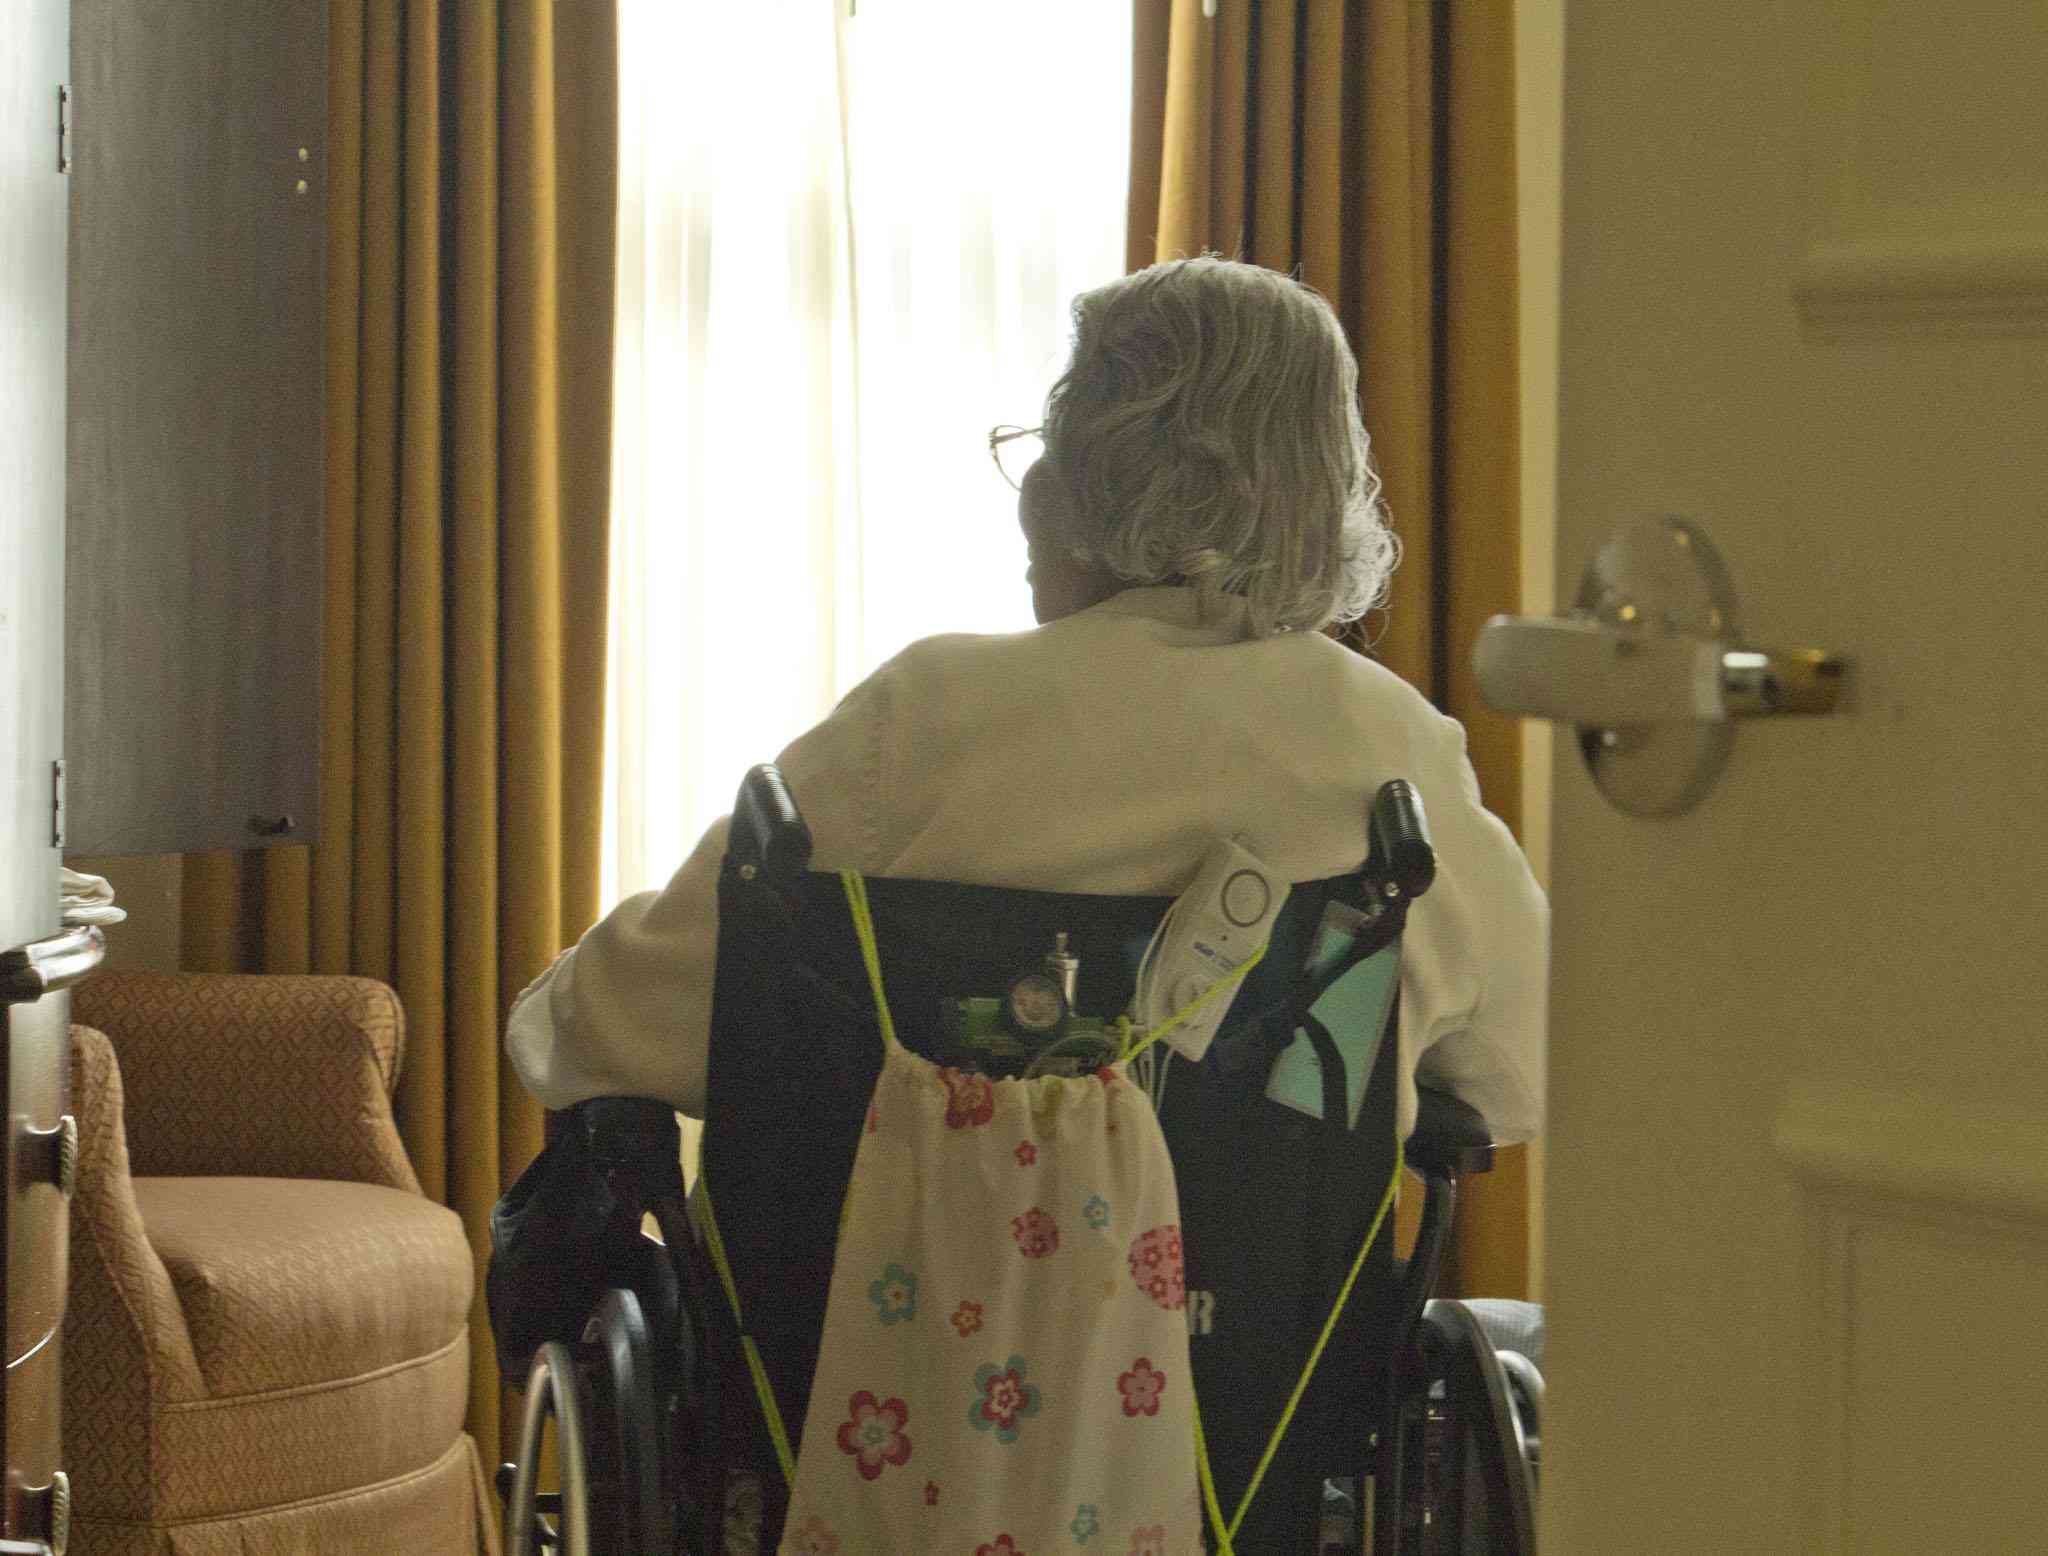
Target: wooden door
[{"x": 1798, "y": 1200}]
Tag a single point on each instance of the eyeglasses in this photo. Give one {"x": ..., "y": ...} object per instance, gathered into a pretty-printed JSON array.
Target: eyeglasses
[{"x": 1015, "y": 450}]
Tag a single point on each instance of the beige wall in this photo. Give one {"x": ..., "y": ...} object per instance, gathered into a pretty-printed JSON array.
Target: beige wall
[
  {"x": 1539, "y": 110},
  {"x": 151, "y": 888}
]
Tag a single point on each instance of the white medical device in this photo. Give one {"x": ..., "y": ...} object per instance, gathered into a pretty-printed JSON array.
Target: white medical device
[{"x": 1213, "y": 928}]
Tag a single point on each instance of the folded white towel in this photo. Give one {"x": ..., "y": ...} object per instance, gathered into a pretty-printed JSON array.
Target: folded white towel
[{"x": 88, "y": 899}]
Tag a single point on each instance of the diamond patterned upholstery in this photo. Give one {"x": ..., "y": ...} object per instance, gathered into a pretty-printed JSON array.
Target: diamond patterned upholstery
[
  {"x": 304, "y": 1065},
  {"x": 290, "y": 1281},
  {"x": 265, "y": 1343}
]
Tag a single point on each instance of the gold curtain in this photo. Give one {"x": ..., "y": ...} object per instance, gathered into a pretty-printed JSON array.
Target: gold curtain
[
  {"x": 471, "y": 167},
  {"x": 1368, "y": 146}
]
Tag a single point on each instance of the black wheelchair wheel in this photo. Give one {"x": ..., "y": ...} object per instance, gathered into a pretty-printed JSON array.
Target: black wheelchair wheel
[
  {"x": 1487, "y": 1499},
  {"x": 632, "y": 1512},
  {"x": 1454, "y": 1475},
  {"x": 1525, "y": 1392},
  {"x": 553, "y": 1390}
]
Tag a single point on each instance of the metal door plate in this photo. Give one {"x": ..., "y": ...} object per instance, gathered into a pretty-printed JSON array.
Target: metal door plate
[{"x": 1659, "y": 576}]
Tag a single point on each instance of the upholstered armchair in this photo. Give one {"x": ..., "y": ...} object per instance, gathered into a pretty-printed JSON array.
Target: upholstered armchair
[{"x": 266, "y": 1345}]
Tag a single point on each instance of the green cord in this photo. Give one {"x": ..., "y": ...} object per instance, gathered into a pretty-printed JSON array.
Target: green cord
[
  {"x": 771, "y": 1412},
  {"x": 1307, "y": 1372},
  {"x": 1229, "y": 980},
  {"x": 864, "y": 926},
  {"x": 1215, "y": 1508}
]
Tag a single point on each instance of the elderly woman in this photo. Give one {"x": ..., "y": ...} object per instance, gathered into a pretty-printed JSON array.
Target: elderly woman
[{"x": 1205, "y": 505}]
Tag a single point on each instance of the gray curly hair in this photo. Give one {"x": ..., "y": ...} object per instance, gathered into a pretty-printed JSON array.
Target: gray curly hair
[{"x": 1206, "y": 431}]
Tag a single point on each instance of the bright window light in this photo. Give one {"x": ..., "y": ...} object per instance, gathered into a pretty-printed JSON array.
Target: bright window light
[{"x": 847, "y": 248}]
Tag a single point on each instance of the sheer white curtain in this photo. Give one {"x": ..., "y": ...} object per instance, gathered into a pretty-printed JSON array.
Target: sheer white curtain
[{"x": 847, "y": 246}]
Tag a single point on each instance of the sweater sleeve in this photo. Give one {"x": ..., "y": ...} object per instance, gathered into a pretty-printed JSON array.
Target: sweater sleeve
[
  {"x": 1490, "y": 1050},
  {"x": 626, "y": 1011}
]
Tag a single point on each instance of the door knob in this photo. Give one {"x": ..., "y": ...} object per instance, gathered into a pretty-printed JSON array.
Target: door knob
[
  {"x": 1581, "y": 671},
  {"x": 1650, "y": 668}
]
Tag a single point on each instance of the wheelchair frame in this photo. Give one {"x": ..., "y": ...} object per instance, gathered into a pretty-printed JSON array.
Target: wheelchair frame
[{"x": 1452, "y": 1460}]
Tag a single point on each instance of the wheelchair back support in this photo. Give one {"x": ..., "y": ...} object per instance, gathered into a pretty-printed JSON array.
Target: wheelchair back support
[
  {"x": 1275, "y": 1200},
  {"x": 1275, "y": 1204}
]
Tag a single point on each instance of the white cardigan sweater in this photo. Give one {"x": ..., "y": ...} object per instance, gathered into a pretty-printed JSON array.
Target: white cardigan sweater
[{"x": 1104, "y": 752}]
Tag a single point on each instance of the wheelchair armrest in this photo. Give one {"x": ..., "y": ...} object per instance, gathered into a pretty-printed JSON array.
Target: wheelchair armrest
[
  {"x": 1450, "y": 1142},
  {"x": 1451, "y": 1137}
]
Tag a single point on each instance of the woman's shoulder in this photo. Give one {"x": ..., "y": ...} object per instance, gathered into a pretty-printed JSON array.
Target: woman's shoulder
[
  {"x": 1291, "y": 678},
  {"x": 1352, "y": 685}
]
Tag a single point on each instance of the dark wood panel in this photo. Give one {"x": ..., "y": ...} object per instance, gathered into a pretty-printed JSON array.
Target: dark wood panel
[{"x": 193, "y": 574}]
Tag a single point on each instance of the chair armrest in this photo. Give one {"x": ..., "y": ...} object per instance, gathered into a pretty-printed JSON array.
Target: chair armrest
[
  {"x": 127, "y": 1347},
  {"x": 121, "y": 1304},
  {"x": 264, "y": 1076}
]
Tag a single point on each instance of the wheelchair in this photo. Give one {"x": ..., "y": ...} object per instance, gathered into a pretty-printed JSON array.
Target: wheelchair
[{"x": 616, "y": 1298}]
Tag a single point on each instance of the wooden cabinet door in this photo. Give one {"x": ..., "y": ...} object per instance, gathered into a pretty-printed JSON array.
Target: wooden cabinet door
[{"x": 195, "y": 470}]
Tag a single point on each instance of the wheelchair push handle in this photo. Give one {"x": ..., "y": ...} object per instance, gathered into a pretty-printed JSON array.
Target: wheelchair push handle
[
  {"x": 768, "y": 831},
  {"x": 1401, "y": 862}
]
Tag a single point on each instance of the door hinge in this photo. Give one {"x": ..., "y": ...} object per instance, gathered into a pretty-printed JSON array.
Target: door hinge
[
  {"x": 57, "y": 803},
  {"x": 63, "y": 129}
]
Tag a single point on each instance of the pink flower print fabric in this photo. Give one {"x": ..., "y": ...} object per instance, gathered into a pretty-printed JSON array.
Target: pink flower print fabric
[
  {"x": 1156, "y": 1266},
  {"x": 1036, "y": 1232},
  {"x": 875, "y": 1436},
  {"x": 1141, "y": 1388},
  {"x": 970, "y": 1099},
  {"x": 1000, "y": 1371},
  {"x": 1002, "y": 1400}
]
